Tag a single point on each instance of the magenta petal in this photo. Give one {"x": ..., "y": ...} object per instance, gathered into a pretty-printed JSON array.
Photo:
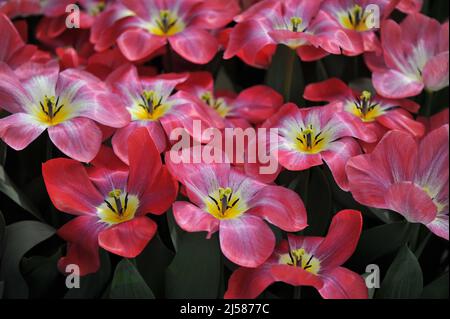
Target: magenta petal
[
  {"x": 19, "y": 130},
  {"x": 341, "y": 283},
  {"x": 281, "y": 207},
  {"x": 435, "y": 73},
  {"x": 69, "y": 187},
  {"x": 395, "y": 85},
  {"x": 247, "y": 283},
  {"x": 195, "y": 45},
  {"x": 246, "y": 241},
  {"x": 295, "y": 276},
  {"x": 138, "y": 44},
  {"x": 82, "y": 249},
  {"x": 128, "y": 239},
  {"x": 412, "y": 202},
  {"x": 193, "y": 219},
  {"x": 341, "y": 240},
  {"x": 439, "y": 226},
  {"x": 78, "y": 138}
]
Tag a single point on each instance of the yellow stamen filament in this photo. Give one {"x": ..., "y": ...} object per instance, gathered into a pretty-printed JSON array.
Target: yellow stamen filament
[
  {"x": 149, "y": 106},
  {"x": 365, "y": 108},
  {"x": 218, "y": 105},
  {"x": 51, "y": 111},
  {"x": 355, "y": 19},
  {"x": 296, "y": 22}
]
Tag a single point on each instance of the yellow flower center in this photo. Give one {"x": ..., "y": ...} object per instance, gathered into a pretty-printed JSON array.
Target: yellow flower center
[
  {"x": 51, "y": 111},
  {"x": 218, "y": 105},
  {"x": 166, "y": 24},
  {"x": 224, "y": 204},
  {"x": 355, "y": 19},
  {"x": 301, "y": 258},
  {"x": 97, "y": 8},
  {"x": 310, "y": 140},
  {"x": 296, "y": 22},
  {"x": 365, "y": 108},
  {"x": 118, "y": 207},
  {"x": 151, "y": 106}
]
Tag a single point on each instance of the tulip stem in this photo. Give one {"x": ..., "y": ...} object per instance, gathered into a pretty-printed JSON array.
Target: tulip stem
[{"x": 418, "y": 252}]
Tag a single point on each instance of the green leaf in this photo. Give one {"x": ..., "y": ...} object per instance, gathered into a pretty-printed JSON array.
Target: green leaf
[
  {"x": 42, "y": 275},
  {"x": 2, "y": 233},
  {"x": 3, "y": 150},
  {"x": 152, "y": 264},
  {"x": 195, "y": 270},
  {"x": 318, "y": 203},
  {"x": 20, "y": 238},
  {"x": 93, "y": 285},
  {"x": 285, "y": 75},
  {"x": 404, "y": 279},
  {"x": 128, "y": 283},
  {"x": 176, "y": 233},
  {"x": 8, "y": 188},
  {"x": 438, "y": 289},
  {"x": 380, "y": 241}
]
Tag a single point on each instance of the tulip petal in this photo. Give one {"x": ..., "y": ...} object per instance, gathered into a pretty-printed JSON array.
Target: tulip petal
[
  {"x": 296, "y": 276},
  {"x": 435, "y": 72},
  {"x": 138, "y": 44},
  {"x": 81, "y": 234},
  {"x": 128, "y": 239},
  {"x": 19, "y": 130},
  {"x": 341, "y": 240},
  {"x": 246, "y": 241},
  {"x": 195, "y": 45},
  {"x": 341, "y": 283},
  {"x": 193, "y": 219},
  {"x": 247, "y": 283},
  {"x": 281, "y": 207},
  {"x": 79, "y": 138},
  {"x": 69, "y": 187}
]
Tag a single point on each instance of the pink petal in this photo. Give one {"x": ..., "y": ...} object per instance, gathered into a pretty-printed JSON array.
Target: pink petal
[
  {"x": 246, "y": 241},
  {"x": 193, "y": 219},
  {"x": 329, "y": 90},
  {"x": 82, "y": 249},
  {"x": 281, "y": 207},
  {"x": 195, "y": 45},
  {"x": 395, "y": 85},
  {"x": 144, "y": 160},
  {"x": 341, "y": 283},
  {"x": 12, "y": 94},
  {"x": 412, "y": 202},
  {"x": 120, "y": 138},
  {"x": 69, "y": 187},
  {"x": 247, "y": 283},
  {"x": 439, "y": 226},
  {"x": 435, "y": 72},
  {"x": 295, "y": 276},
  {"x": 138, "y": 44},
  {"x": 341, "y": 240},
  {"x": 19, "y": 130},
  {"x": 128, "y": 239},
  {"x": 401, "y": 120},
  {"x": 78, "y": 138},
  {"x": 337, "y": 156}
]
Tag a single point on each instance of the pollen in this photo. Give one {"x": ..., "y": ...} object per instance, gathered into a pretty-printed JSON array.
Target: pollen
[
  {"x": 51, "y": 110},
  {"x": 149, "y": 106},
  {"x": 296, "y": 22},
  {"x": 365, "y": 108}
]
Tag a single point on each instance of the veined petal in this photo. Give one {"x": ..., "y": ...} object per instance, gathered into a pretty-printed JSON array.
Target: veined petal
[
  {"x": 138, "y": 44},
  {"x": 281, "y": 207},
  {"x": 79, "y": 138},
  {"x": 195, "y": 45},
  {"x": 193, "y": 219},
  {"x": 19, "y": 130},
  {"x": 246, "y": 241},
  {"x": 341, "y": 283},
  {"x": 435, "y": 72}
]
